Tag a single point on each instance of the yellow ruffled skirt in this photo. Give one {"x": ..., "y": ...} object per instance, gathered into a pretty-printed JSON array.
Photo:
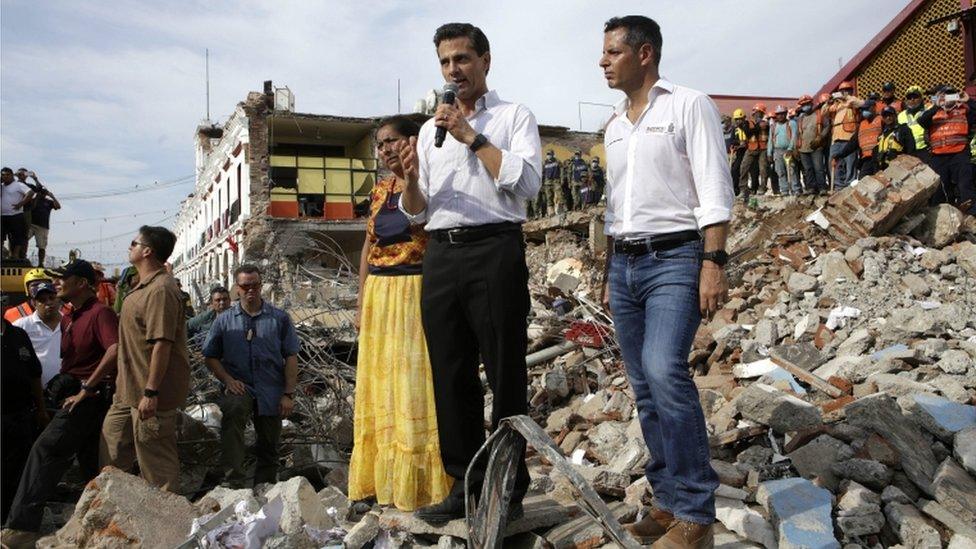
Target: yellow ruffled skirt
[{"x": 396, "y": 454}]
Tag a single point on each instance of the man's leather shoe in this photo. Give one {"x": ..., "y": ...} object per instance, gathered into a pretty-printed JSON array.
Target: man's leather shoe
[
  {"x": 687, "y": 535},
  {"x": 441, "y": 513},
  {"x": 651, "y": 527}
]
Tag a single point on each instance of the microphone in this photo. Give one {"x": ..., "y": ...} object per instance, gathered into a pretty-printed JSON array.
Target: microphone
[{"x": 450, "y": 92}]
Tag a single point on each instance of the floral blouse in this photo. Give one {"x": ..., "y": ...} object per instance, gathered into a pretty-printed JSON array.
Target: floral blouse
[{"x": 396, "y": 246}]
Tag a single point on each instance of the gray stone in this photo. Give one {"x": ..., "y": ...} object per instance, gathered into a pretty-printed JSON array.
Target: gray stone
[
  {"x": 931, "y": 348},
  {"x": 782, "y": 412},
  {"x": 729, "y": 474},
  {"x": 897, "y": 385},
  {"x": 964, "y": 449},
  {"x": 951, "y": 388},
  {"x": 858, "y": 371},
  {"x": 965, "y": 253},
  {"x": 800, "y": 513},
  {"x": 894, "y": 494},
  {"x": 606, "y": 440},
  {"x": 857, "y": 343},
  {"x": 799, "y": 283},
  {"x": 955, "y": 361},
  {"x": 947, "y": 517},
  {"x": 730, "y": 334},
  {"x": 942, "y": 417},
  {"x": 592, "y": 407},
  {"x": 853, "y": 253},
  {"x": 556, "y": 383},
  {"x": 638, "y": 493},
  {"x": 815, "y": 458},
  {"x": 586, "y": 532},
  {"x": 955, "y": 490},
  {"x": 221, "y": 497},
  {"x": 933, "y": 259},
  {"x": 916, "y": 285},
  {"x": 881, "y": 414},
  {"x": 333, "y": 498},
  {"x": 363, "y": 532},
  {"x": 960, "y": 541},
  {"x": 753, "y": 457},
  {"x": 870, "y": 473},
  {"x": 539, "y": 512},
  {"x": 301, "y": 505},
  {"x": 941, "y": 226},
  {"x": 835, "y": 268},
  {"x": 765, "y": 332},
  {"x": 911, "y": 528},
  {"x": 859, "y": 511},
  {"x": 739, "y": 518},
  {"x": 117, "y": 509},
  {"x": 630, "y": 458}
]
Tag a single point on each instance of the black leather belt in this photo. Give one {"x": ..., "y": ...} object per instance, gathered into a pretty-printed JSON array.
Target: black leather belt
[
  {"x": 658, "y": 243},
  {"x": 461, "y": 235}
]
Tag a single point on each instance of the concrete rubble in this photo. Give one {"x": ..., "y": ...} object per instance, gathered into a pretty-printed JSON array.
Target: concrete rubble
[{"x": 838, "y": 384}]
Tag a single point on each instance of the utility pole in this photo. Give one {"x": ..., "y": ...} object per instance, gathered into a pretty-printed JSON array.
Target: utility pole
[
  {"x": 398, "y": 96},
  {"x": 208, "y": 83}
]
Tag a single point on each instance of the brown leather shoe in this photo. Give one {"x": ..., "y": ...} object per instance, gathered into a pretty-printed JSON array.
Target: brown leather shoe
[
  {"x": 651, "y": 527},
  {"x": 685, "y": 535}
]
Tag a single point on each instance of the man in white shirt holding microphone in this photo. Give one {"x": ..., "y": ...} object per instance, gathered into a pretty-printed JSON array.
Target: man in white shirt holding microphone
[{"x": 470, "y": 185}]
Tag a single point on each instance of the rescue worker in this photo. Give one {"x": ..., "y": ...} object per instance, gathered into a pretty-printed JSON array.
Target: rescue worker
[
  {"x": 551, "y": 194},
  {"x": 812, "y": 137},
  {"x": 895, "y": 139},
  {"x": 950, "y": 124},
  {"x": 782, "y": 145},
  {"x": 888, "y": 98},
  {"x": 754, "y": 161},
  {"x": 737, "y": 146},
  {"x": 598, "y": 180},
  {"x": 33, "y": 277},
  {"x": 578, "y": 177},
  {"x": 865, "y": 139},
  {"x": 914, "y": 106},
  {"x": 842, "y": 111}
]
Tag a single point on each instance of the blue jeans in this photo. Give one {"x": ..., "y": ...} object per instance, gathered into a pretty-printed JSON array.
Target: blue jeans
[
  {"x": 813, "y": 171},
  {"x": 844, "y": 171},
  {"x": 654, "y": 299},
  {"x": 788, "y": 182}
]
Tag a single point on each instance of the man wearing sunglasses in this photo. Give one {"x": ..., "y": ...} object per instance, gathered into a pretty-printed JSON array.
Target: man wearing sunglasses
[
  {"x": 252, "y": 348},
  {"x": 154, "y": 370}
]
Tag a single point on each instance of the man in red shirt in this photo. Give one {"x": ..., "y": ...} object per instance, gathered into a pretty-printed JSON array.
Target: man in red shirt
[{"x": 89, "y": 337}]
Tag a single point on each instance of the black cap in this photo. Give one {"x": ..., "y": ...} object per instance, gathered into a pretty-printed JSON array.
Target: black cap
[
  {"x": 78, "y": 267},
  {"x": 889, "y": 110},
  {"x": 874, "y": 95},
  {"x": 868, "y": 105},
  {"x": 888, "y": 86}
]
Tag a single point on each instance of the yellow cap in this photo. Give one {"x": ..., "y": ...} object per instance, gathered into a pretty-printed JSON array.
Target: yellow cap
[{"x": 738, "y": 113}]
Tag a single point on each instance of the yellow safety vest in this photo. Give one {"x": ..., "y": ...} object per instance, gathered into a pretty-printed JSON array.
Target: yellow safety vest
[
  {"x": 889, "y": 142},
  {"x": 904, "y": 117}
]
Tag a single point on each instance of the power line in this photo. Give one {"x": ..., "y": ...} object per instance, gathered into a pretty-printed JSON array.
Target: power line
[
  {"x": 108, "y": 238},
  {"x": 103, "y": 193},
  {"x": 106, "y": 218}
]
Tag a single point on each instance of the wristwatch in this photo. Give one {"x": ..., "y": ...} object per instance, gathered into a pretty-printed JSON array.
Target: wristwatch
[
  {"x": 479, "y": 141},
  {"x": 150, "y": 393},
  {"x": 88, "y": 388},
  {"x": 718, "y": 257}
]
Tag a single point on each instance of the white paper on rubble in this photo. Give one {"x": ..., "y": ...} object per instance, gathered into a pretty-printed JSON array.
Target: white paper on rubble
[
  {"x": 838, "y": 316},
  {"x": 818, "y": 219}
]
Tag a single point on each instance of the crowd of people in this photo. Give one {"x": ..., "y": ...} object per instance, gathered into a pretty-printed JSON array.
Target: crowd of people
[
  {"x": 27, "y": 206},
  {"x": 444, "y": 291},
  {"x": 823, "y": 144}
]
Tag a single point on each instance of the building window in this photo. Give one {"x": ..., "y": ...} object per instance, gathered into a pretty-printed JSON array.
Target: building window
[{"x": 326, "y": 186}]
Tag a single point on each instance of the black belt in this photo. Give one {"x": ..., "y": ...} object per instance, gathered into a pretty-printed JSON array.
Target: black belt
[
  {"x": 657, "y": 243},
  {"x": 461, "y": 235}
]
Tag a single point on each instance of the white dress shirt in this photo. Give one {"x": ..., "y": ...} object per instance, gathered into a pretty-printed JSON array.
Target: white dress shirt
[
  {"x": 457, "y": 186},
  {"x": 47, "y": 344},
  {"x": 668, "y": 172},
  {"x": 12, "y": 194}
]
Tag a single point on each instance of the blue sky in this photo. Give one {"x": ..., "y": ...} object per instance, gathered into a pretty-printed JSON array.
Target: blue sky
[{"x": 104, "y": 95}]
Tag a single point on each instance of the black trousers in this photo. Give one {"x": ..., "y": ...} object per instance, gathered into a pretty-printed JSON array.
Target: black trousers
[
  {"x": 868, "y": 167},
  {"x": 69, "y": 434},
  {"x": 475, "y": 303},
  {"x": 956, "y": 174},
  {"x": 236, "y": 411},
  {"x": 16, "y": 434}
]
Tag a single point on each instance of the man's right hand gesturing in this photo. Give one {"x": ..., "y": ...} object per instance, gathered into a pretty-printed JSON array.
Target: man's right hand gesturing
[{"x": 408, "y": 160}]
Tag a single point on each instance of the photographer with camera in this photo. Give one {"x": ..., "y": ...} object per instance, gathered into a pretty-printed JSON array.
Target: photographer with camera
[
  {"x": 40, "y": 212},
  {"x": 950, "y": 123}
]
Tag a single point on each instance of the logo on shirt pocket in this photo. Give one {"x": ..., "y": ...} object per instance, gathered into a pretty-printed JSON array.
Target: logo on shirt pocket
[{"x": 661, "y": 129}]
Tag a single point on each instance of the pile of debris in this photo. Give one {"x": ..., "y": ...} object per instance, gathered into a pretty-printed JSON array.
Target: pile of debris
[{"x": 838, "y": 385}]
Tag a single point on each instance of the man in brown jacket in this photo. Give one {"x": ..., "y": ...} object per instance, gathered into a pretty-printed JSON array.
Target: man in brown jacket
[{"x": 154, "y": 372}]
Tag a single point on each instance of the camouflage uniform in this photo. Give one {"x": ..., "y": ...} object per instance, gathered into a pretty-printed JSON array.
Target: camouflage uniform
[
  {"x": 578, "y": 175},
  {"x": 551, "y": 197}
]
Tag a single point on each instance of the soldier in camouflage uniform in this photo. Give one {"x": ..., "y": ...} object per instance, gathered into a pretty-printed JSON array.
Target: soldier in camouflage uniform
[
  {"x": 598, "y": 180},
  {"x": 550, "y": 199},
  {"x": 578, "y": 174}
]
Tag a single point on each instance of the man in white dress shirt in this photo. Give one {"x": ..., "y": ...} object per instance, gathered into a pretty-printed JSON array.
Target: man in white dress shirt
[
  {"x": 471, "y": 192},
  {"x": 669, "y": 202},
  {"x": 43, "y": 327}
]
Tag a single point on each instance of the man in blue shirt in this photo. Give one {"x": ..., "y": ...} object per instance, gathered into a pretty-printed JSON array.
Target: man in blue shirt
[
  {"x": 252, "y": 348},
  {"x": 782, "y": 146}
]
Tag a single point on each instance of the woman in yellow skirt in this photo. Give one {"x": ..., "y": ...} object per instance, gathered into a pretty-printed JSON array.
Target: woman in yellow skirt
[{"x": 396, "y": 455}]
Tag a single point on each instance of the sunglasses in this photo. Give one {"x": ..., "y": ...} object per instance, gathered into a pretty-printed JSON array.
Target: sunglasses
[
  {"x": 135, "y": 243},
  {"x": 249, "y": 287}
]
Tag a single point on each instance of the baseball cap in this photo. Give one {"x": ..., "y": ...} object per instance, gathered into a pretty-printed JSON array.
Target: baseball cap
[
  {"x": 78, "y": 267},
  {"x": 42, "y": 287}
]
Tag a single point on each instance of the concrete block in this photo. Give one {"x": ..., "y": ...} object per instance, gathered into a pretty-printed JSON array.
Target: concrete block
[
  {"x": 942, "y": 417},
  {"x": 800, "y": 512}
]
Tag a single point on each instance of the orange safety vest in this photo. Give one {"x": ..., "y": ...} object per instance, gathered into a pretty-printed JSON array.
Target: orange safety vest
[
  {"x": 880, "y": 105},
  {"x": 753, "y": 142},
  {"x": 949, "y": 132},
  {"x": 20, "y": 311},
  {"x": 867, "y": 135}
]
